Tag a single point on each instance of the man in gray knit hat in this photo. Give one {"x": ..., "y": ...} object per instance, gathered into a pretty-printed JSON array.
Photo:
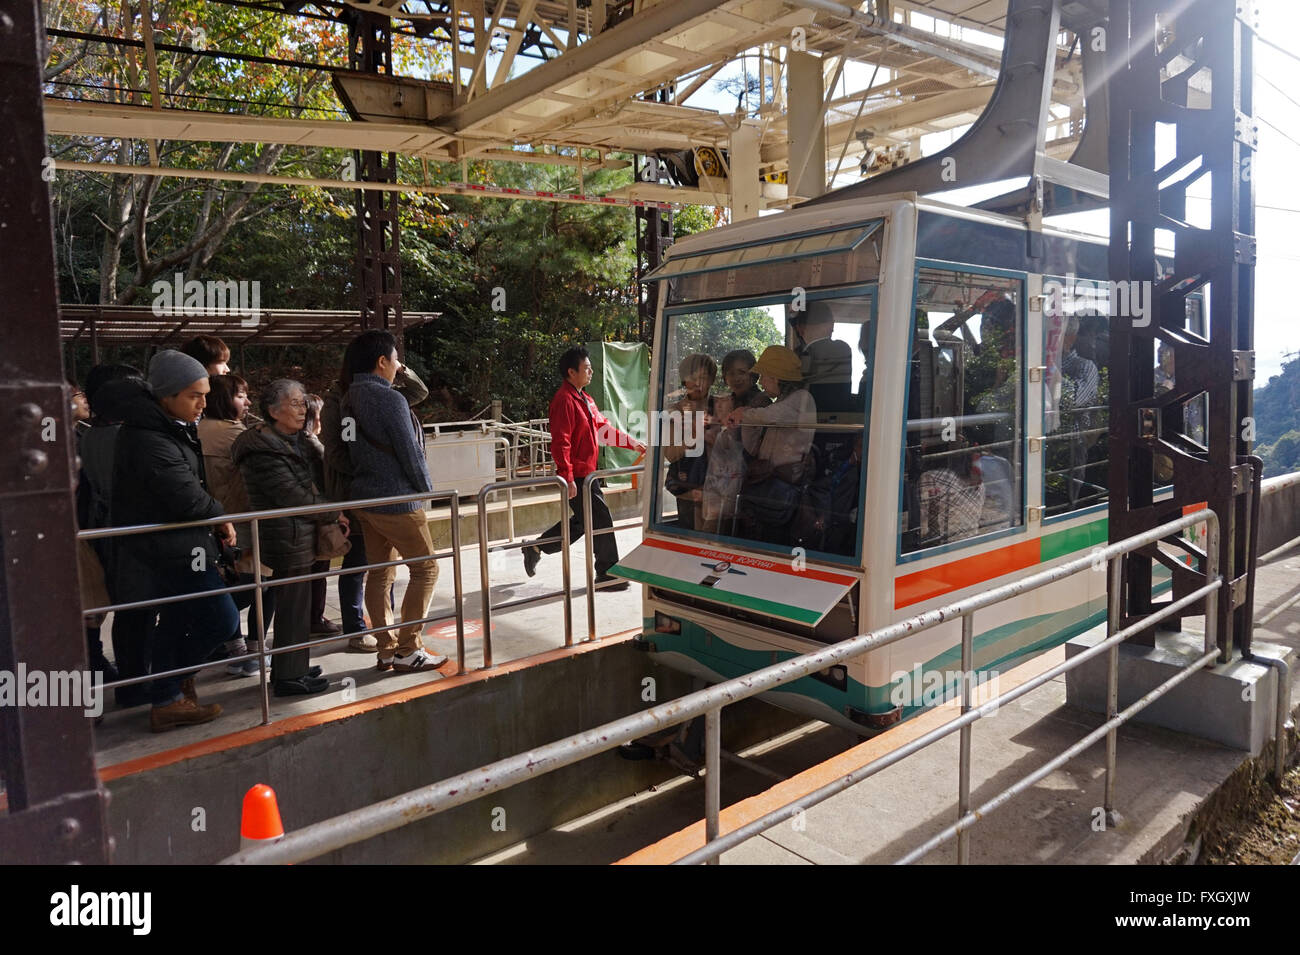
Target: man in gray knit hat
[{"x": 159, "y": 478}]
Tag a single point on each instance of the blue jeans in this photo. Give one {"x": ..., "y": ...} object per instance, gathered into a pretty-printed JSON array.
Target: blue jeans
[
  {"x": 352, "y": 586},
  {"x": 190, "y": 630}
]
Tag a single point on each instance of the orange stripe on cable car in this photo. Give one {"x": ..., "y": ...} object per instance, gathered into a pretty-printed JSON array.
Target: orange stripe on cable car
[{"x": 954, "y": 575}]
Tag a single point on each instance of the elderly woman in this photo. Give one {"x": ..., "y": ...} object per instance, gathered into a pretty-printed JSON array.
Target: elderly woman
[
  {"x": 777, "y": 439},
  {"x": 685, "y": 453},
  {"x": 272, "y": 459}
]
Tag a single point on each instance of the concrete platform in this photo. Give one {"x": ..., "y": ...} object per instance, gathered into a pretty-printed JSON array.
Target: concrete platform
[{"x": 1168, "y": 784}]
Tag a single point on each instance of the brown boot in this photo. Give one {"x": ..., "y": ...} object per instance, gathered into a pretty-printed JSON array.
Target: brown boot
[
  {"x": 184, "y": 712},
  {"x": 187, "y": 688}
]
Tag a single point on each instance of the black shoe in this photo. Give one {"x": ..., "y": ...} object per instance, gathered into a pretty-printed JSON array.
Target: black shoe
[
  {"x": 619, "y": 582},
  {"x": 532, "y": 554},
  {"x": 303, "y": 686},
  {"x": 636, "y": 750},
  {"x": 101, "y": 664},
  {"x": 314, "y": 672}
]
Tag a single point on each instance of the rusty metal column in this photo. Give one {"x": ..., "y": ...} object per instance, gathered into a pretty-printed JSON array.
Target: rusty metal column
[
  {"x": 379, "y": 262},
  {"x": 1187, "y": 65},
  {"x": 654, "y": 234},
  {"x": 56, "y": 808}
]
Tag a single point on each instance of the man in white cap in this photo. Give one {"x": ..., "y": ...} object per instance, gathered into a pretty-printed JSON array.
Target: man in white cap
[{"x": 159, "y": 478}]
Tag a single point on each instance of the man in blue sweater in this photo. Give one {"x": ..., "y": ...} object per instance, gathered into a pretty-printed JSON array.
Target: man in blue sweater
[{"x": 387, "y": 453}]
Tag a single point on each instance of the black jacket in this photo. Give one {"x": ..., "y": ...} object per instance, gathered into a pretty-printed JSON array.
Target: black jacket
[
  {"x": 277, "y": 475},
  {"x": 158, "y": 477}
]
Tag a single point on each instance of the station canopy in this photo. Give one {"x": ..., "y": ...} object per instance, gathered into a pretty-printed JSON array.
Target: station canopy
[{"x": 139, "y": 325}]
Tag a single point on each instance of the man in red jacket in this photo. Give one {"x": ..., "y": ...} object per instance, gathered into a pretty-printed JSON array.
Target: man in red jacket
[{"x": 577, "y": 430}]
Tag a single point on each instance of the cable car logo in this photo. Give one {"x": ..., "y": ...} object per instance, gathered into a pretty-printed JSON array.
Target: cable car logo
[{"x": 722, "y": 567}]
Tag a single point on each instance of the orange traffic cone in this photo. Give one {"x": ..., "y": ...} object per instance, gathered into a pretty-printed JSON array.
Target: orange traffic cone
[{"x": 261, "y": 820}]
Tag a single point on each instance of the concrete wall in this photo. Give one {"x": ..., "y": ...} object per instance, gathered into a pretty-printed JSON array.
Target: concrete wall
[
  {"x": 350, "y": 762},
  {"x": 1279, "y": 518}
]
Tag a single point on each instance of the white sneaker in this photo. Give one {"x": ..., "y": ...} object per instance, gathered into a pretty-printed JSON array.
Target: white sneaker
[{"x": 419, "y": 660}]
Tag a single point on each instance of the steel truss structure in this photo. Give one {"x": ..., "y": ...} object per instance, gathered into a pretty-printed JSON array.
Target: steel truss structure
[{"x": 1157, "y": 50}]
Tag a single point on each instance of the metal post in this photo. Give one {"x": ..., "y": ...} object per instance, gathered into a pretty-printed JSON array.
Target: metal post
[
  {"x": 1113, "y": 610},
  {"x": 484, "y": 584},
  {"x": 564, "y": 563},
  {"x": 456, "y": 582},
  {"x": 591, "y": 557},
  {"x": 55, "y": 801},
  {"x": 963, "y": 769},
  {"x": 261, "y": 623},
  {"x": 712, "y": 775},
  {"x": 1212, "y": 533}
]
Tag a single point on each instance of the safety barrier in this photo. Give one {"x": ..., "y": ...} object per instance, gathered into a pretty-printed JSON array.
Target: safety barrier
[
  {"x": 451, "y": 498},
  {"x": 254, "y": 519},
  {"x": 389, "y": 814}
]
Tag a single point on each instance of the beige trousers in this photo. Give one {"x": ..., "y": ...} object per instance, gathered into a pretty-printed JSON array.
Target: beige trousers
[{"x": 387, "y": 536}]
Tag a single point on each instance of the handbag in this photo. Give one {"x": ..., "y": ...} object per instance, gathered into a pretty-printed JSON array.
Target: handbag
[
  {"x": 331, "y": 541},
  {"x": 771, "y": 501}
]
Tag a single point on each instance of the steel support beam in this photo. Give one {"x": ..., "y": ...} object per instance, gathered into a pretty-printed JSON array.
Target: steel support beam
[
  {"x": 379, "y": 262},
  {"x": 1006, "y": 142},
  {"x": 1156, "y": 49},
  {"x": 56, "y": 807}
]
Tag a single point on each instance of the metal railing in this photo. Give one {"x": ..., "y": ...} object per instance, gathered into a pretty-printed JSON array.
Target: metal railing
[
  {"x": 591, "y": 533},
  {"x": 483, "y": 542},
  {"x": 259, "y": 584},
  {"x": 254, "y": 519},
  {"x": 389, "y": 814}
]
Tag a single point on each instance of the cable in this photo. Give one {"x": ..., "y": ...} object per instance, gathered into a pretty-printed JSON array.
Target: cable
[
  {"x": 1284, "y": 135},
  {"x": 1278, "y": 88},
  {"x": 1276, "y": 47}
]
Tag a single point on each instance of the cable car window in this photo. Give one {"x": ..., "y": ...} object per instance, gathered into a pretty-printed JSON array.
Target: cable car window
[
  {"x": 962, "y": 466},
  {"x": 762, "y": 422},
  {"x": 1076, "y": 394},
  {"x": 850, "y": 256}
]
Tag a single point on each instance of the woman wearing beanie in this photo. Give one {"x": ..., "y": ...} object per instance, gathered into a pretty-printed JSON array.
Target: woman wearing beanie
[{"x": 158, "y": 477}]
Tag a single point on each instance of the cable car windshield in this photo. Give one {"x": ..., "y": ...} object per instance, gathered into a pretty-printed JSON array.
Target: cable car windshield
[{"x": 763, "y": 419}]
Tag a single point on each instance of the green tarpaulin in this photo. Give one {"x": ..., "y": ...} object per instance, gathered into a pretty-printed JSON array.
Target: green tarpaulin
[{"x": 620, "y": 385}]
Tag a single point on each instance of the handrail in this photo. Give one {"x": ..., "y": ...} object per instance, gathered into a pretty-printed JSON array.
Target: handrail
[
  {"x": 254, "y": 519},
  {"x": 591, "y": 536},
  {"x": 386, "y": 815},
  {"x": 484, "y": 573}
]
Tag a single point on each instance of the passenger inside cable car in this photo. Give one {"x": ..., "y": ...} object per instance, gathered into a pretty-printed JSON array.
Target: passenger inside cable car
[
  {"x": 963, "y": 474},
  {"x": 782, "y": 469}
]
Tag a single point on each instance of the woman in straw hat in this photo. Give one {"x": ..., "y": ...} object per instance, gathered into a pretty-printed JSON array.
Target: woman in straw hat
[{"x": 780, "y": 433}]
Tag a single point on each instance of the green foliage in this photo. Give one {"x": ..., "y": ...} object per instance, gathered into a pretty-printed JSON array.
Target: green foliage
[
  {"x": 1277, "y": 404},
  {"x": 715, "y": 333},
  {"x": 515, "y": 281}
]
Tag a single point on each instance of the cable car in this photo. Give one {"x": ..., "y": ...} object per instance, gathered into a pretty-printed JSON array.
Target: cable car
[{"x": 932, "y": 422}]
